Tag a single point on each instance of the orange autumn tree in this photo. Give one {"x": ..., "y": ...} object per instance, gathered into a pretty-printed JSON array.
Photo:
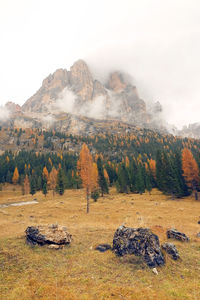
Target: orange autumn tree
[
  {"x": 53, "y": 180},
  {"x": 15, "y": 177},
  {"x": 45, "y": 173},
  {"x": 105, "y": 173},
  {"x": 152, "y": 166},
  {"x": 95, "y": 184},
  {"x": 190, "y": 170},
  {"x": 85, "y": 168}
]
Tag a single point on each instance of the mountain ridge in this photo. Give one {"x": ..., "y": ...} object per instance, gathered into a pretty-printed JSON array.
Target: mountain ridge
[{"x": 79, "y": 95}]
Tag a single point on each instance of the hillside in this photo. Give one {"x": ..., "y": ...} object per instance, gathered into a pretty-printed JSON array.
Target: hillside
[{"x": 112, "y": 139}]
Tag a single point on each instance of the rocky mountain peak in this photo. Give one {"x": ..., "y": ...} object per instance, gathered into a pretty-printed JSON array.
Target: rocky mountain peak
[
  {"x": 81, "y": 80},
  {"x": 59, "y": 77},
  {"x": 118, "y": 99},
  {"x": 117, "y": 81},
  {"x": 13, "y": 107}
]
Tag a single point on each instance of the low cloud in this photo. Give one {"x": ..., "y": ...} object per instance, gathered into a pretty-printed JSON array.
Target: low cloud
[
  {"x": 4, "y": 113},
  {"x": 48, "y": 120},
  {"x": 101, "y": 107}
]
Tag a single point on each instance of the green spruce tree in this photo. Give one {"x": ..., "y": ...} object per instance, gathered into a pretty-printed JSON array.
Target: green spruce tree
[
  {"x": 60, "y": 183},
  {"x": 123, "y": 183},
  {"x": 140, "y": 184},
  {"x": 44, "y": 188},
  {"x": 32, "y": 185},
  {"x": 148, "y": 183},
  {"x": 101, "y": 179}
]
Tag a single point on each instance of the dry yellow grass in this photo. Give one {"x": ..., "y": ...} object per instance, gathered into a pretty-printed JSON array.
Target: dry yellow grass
[{"x": 80, "y": 272}]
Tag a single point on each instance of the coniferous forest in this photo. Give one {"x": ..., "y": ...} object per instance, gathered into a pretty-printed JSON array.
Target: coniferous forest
[{"x": 132, "y": 163}]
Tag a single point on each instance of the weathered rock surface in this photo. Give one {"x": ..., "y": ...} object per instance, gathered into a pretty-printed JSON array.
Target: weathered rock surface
[
  {"x": 54, "y": 235},
  {"x": 103, "y": 247},
  {"x": 117, "y": 99},
  {"x": 12, "y": 107},
  {"x": 140, "y": 242},
  {"x": 175, "y": 234},
  {"x": 51, "y": 87},
  {"x": 198, "y": 234},
  {"x": 171, "y": 250}
]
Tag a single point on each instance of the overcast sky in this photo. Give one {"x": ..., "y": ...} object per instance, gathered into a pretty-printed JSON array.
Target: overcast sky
[{"x": 156, "y": 41}]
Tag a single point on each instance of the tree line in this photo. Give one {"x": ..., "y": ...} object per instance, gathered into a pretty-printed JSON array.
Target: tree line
[{"x": 174, "y": 173}]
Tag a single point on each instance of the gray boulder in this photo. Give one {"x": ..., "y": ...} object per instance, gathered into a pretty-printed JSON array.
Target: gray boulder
[
  {"x": 171, "y": 250},
  {"x": 140, "y": 242},
  {"x": 103, "y": 247},
  {"x": 48, "y": 235},
  {"x": 175, "y": 234}
]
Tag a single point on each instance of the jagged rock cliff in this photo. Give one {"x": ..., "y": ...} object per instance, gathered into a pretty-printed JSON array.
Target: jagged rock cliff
[
  {"x": 117, "y": 99},
  {"x": 47, "y": 94}
]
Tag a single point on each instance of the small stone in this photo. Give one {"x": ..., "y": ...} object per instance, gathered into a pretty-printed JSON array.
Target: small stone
[
  {"x": 103, "y": 247},
  {"x": 199, "y": 222},
  {"x": 154, "y": 270},
  {"x": 171, "y": 250},
  {"x": 53, "y": 226},
  {"x": 175, "y": 234},
  {"x": 198, "y": 234},
  {"x": 52, "y": 246}
]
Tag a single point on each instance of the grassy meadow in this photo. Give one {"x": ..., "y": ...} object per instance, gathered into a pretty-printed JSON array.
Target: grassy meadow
[{"x": 78, "y": 271}]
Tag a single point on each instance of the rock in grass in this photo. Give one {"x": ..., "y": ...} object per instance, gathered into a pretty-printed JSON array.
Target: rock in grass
[
  {"x": 171, "y": 250},
  {"x": 103, "y": 247},
  {"x": 175, "y": 234},
  {"x": 140, "y": 242},
  {"x": 54, "y": 235},
  {"x": 198, "y": 234},
  {"x": 54, "y": 246},
  {"x": 154, "y": 270}
]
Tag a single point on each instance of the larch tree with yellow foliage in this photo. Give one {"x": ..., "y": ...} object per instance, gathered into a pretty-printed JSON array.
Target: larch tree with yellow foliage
[
  {"x": 15, "y": 177},
  {"x": 53, "y": 180},
  {"x": 85, "y": 168},
  {"x": 105, "y": 173},
  {"x": 95, "y": 185},
  {"x": 45, "y": 173},
  {"x": 190, "y": 171}
]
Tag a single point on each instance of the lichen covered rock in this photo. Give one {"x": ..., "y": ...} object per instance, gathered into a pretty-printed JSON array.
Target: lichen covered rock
[
  {"x": 140, "y": 242},
  {"x": 175, "y": 234},
  {"x": 48, "y": 234},
  {"x": 171, "y": 250}
]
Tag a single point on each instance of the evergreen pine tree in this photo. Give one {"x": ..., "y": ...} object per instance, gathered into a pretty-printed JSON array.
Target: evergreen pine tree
[
  {"x": 123, "y": 184},
  {"x": 160, "y": 180},
  {"x": 181, "y": 179},
  {"x": 9, "y": 177},
  {"x": 60, "y": 183},
  {"x": 44, "y": 189},
  {"x": 139, "y": 184},
  {"x": 148, "y": 183},
  {"x": 101, "y": 178},
  {"x": 32, "y": 186}
]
